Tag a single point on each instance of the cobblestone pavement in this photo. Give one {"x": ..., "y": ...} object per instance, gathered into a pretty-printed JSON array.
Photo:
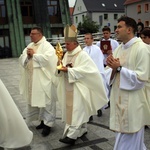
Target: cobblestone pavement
[{"x": 99, "y": 136}]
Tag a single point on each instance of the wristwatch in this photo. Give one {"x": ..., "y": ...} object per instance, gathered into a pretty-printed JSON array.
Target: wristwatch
[{"x": 119, "y": 68}]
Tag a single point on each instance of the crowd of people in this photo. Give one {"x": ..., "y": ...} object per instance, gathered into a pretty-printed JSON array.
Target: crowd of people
[{"x": 88, "y": 81}]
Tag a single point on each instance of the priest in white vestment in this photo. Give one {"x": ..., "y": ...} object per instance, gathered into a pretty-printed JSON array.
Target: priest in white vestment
[
  {"x": 38, "y": 62},
  {"x": 14, "y": 132},
  {"x": 128, "y": 74},
  {"x": 80, "y": 89}
]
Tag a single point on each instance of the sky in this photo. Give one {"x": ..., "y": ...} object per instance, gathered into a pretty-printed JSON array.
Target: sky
[{"x": 71, "y": 3}]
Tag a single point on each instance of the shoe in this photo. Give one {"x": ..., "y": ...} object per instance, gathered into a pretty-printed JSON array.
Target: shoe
[
  {"x": 99, "y": 113},
  {"x": 40, "y": 126},
  {"x": 90, "y": 119},
  {"x": 68, "y": 140},
  {"x": 146, "y": 127},
  {"x": 46, "y": 131},
  {"x": 108, "y": 105},
  {"x": 83, "y": 135}
]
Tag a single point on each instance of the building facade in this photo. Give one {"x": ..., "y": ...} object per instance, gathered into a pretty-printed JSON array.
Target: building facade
[
  {"x": 105, "y": 13},
  {"x": 138, "y": 9},
  {"x": 17, "y": 17}
]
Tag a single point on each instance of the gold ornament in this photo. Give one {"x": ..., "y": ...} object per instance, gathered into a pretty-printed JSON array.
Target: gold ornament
[{"x": 59, "y": 53}]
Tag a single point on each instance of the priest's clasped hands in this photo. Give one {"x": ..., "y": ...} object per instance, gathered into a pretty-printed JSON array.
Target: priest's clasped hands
[
  {"x": 112, "y": 62},
  {"x": 30, "y": 52}
]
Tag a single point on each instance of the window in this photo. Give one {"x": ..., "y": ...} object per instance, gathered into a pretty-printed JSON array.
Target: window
[
  {"x": 115, "y": 16},
  {"x": 52, "y": 7},
  {"x": 139, "y": 9},
  {"x": 105, "y": 16},
  {"x": 54, "y": 3},
  {"x": 146, "y": 8},
  {"x": 76, "y": 19},
  {"x": 80, "y": 8},
  {"x": 1, "y": 2},
  {"x": 82, "y": 17},
  {"x": 51, "y": 11},
  {"x": 115, "y": 27},
  {"x": 3, "y": 16},
  {"x": 2, "y": 9},
  {"x": 54, "y": 13},
  {"x": 101, "y": 20},
  {"x": 147, "y": 23},
  {"x": 26, "y": 8}
]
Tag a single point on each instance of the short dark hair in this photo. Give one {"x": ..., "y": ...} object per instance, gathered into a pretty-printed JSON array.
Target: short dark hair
[
  {"x": 130, "y": 22},
  {"x": 146, "y": 32},
  {"x": 106, "y": 28},
  {"x": 89, "y": 34},
  {"x": 38, "y": 28}
]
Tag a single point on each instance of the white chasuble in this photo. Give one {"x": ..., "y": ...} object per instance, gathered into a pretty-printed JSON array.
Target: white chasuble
[
  {"x": 38, "y": 73},
  {"x": 14, "y": 132},
  {"x": 130, "y": 110},
  {"x": 85, "y": 86}
]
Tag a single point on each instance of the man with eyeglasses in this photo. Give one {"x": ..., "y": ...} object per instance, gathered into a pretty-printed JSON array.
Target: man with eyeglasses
[{"x": 39, "y": 62}]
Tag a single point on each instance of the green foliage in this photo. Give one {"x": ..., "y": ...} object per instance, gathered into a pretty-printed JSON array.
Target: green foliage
[{"x": 88, "y": 26}]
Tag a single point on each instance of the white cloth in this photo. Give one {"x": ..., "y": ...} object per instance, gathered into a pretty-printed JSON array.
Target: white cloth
[
  {"x": 14, "y": 132},
  {"x": 97, "y": 56},
  {"x": 114, "y": 45},
  {"x": 86, "y": 84},
  {"x": 37, "y": 87},
  {"x": 44, "y": 64},
  {"x": 128, "y": 88},
  {"x": 123, "y": 141},
  {"x": 130, "y": 109},
  {"x": 74, "y": 132},
  {"x": 147, "y": 84}
]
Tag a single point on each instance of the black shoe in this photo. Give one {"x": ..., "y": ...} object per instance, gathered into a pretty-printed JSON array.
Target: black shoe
[
  {"x": 46, "y": 131},
  {"x": 83, "y": 135},
  {"x": 68, "y": 140},
  {"x": 108, "y": 105},
  {"x": 40, "y": 126},
  {"x": 91, "y": 119},
  {"x": 146, "y": 127},
  {"x": 99, "y": 113}
]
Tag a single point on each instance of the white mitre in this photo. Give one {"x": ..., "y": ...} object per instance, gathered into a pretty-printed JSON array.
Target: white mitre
[{"x": 70, "y": 33}]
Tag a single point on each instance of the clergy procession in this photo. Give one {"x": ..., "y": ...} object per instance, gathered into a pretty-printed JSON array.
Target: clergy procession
[{"x": 112, "y": 75}]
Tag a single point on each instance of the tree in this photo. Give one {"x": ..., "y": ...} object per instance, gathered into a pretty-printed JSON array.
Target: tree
[{"x": 88, "y": 26}]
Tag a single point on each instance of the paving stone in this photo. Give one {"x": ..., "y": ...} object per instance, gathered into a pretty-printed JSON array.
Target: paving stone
[{"x": 99, "y": 136}]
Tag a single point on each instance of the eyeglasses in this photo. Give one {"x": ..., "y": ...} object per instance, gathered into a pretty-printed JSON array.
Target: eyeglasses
[{"x": 34, "y": 33}]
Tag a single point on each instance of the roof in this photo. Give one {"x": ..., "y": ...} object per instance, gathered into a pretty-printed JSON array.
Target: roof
[
  {"x": 105, "y": 5},
  {"x": 131, "y": 1}
]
